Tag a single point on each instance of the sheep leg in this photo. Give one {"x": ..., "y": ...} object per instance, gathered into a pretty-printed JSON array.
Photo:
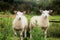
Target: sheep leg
[
  {"x": 21, "y": 35},
  {"x": 30, "y": 34},
  {"x": 15, "y": 33},
  {"x": 25, "y": 33},
  {"x": 45, "y": 34},
  {"x": 31, "y": 27}
]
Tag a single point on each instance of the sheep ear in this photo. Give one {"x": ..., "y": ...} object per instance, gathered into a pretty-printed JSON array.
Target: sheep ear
[
  {"x": 41, "y": 11},
  {"x": 50, "y": 11},
  {"x": 24, "y": 12},
  {"x": 15, "y": 12}
]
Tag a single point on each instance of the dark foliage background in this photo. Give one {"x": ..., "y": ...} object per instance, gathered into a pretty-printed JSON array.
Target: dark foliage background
[{"x": 30, "y": 5}]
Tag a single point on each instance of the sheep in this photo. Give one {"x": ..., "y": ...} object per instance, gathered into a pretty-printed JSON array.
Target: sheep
[
  {"x": 42, "y": 21},
  {"x": 20, "y": 23}
]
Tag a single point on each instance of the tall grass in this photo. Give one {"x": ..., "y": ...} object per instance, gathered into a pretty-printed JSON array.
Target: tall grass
[
  {"x": 6, "y": 29},
  {"x": 37, "y": 33}
]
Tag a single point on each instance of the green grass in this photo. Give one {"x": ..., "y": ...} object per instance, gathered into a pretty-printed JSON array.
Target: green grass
[
  {"x": 57, "y": 17},
  {"x": 7, "y": 32}
]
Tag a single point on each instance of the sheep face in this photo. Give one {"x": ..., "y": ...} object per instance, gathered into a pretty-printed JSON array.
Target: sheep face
[
  {"x": 45, "y": 13},
  {"x": 19, "y": 15}
]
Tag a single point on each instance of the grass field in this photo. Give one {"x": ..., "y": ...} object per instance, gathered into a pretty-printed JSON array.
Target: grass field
[{"x": 6, "y": 32}]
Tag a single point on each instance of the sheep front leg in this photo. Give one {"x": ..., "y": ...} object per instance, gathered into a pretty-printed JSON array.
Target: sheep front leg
[
  {"x": 45, "y": 34},
  {"x": 25, "y": 33},
  {"x": 31, "y": 27},
  {"x": 21, "y": 35},
  {"x": 30, "y": 34},
  {"x": 15, "y": 33}
]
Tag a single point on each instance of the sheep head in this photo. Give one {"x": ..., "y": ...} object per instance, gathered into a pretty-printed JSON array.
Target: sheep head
[
  {"x": 45, "y": 13},
  {"x": 18, "y": 14}
]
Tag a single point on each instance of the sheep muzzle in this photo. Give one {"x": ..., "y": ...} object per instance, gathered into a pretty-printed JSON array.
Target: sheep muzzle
[{"x": 19, "y": 18}]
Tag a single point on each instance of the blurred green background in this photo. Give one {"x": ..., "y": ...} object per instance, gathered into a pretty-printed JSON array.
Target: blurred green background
[{"x": 32, "y": 7}]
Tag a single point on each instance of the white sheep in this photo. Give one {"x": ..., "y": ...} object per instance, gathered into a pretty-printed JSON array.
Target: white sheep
[
  {"x": 20, "y": 24},
  {"x": 42, "y": 21}
]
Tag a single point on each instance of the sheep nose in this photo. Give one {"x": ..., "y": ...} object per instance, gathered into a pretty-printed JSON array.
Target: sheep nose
[
  {"x": 45, "y": 16},
  {"x": 19, "y": 18}
]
